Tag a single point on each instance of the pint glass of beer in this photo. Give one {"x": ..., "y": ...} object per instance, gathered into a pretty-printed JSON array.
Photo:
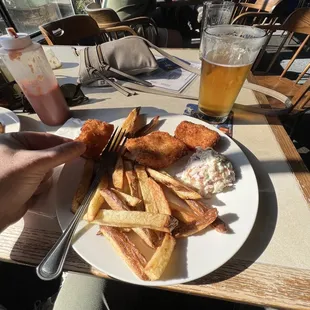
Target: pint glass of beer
[
  {"x": 227, "y": 56},
  {"x": 215, "y": 12}
]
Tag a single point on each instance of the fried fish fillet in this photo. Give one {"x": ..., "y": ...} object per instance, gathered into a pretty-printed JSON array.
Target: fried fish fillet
[
  {"x": 157, "y": 150},
  {"x": 95, "y": 134},
  {"x": 194, "y": 135}
]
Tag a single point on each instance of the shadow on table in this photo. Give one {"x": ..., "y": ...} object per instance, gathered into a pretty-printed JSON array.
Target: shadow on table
[
  {"x": 30, "y": 124},
  {"x": 110, "y": 115},
  {"x": 261, "y": 233}
]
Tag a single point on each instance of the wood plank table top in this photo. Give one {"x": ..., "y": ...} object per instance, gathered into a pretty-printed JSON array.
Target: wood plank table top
[{"x": 272, "y": 268}]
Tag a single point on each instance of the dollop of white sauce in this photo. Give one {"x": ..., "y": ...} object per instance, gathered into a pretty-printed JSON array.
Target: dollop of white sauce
[{"x": 208, "y": 172}]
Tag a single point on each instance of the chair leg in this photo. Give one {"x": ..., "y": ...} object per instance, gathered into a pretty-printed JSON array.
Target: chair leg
[
  {"x": 302, "y": 73},
  {"x": 290, "y": 38},
  {"x": 295, "y": 55},
  {"x": 277, "y": 53}
]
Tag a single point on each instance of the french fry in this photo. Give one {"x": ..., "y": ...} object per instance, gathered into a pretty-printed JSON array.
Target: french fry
[
  {"x": 132, "y": 179},
  {"x": 118, "y": 174},
  {"x": 126, "y": 249},
  {"x": 113, "y": 200},
  {"x": 136, "y": 219},
  {"x": 147, "y": 235},
  {"x": 183, "y": 216},
  {"x": 178, "y": 209},
  {"x": 148, "y": 127},
  {"x": 160, "y": 259},
  {"x": 159, "y": 198},
  {"x": 219, "y": 225},
  {"x": 161, "y": 203},
  {"x": 149, "y": 203},
  {"x": 198, "y": 208},
  {"x": 131, "y": 123},
  {"x": 83, "y": 185},
  {"x": 186, "y": 230},
  {"x": 97, "y": 200},
  {"x": 179, "y": 189},
  {"x": 127, "y": 199}
]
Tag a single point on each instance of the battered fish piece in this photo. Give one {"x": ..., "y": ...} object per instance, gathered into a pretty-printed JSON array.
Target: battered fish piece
[
  {"x": 156, "y": 150},
  {"x": 194, "y": 135},
  {"x": 2, "y": 128},
  {"x": 95, "y": 134}
]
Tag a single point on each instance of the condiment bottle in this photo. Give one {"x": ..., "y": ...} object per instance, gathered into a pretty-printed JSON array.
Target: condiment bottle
[{"x": 30, "y": 68}]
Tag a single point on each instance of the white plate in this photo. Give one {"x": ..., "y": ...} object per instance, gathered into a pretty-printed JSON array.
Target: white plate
[
  {"x": 193, "y": 257},
  {"x": 9, "y": 120}
]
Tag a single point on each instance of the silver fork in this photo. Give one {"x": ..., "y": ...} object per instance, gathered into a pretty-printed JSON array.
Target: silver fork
[{"x": 52, "y": 264}]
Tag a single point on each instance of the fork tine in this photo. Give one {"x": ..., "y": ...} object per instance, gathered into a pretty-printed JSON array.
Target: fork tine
[
  {"x": 106, "y": 148},
  {"x": 111, "y": 138},
  {"x": 117, "y": 141},
  {"x": 122, "y": 147}
]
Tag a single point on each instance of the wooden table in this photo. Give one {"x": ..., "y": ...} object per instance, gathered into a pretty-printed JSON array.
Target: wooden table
[{"x": 272, "y": 268}]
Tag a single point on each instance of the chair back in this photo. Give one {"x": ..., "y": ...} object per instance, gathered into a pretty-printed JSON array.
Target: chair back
[
  {"x": 103, "y": 16},
  {"x": 266, "y": 5},
  {"x": 72, "y": 30},
  {"x": 296, "y": 22},
  {"x": 260, "y": 12}
]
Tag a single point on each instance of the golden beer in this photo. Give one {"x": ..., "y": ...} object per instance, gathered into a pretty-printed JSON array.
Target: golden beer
[
  {"x": 227, "y": 54},
  {"x": 219, "y": 87}
]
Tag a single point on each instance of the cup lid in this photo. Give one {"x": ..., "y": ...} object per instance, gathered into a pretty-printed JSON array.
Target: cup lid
[{"x": 11, "y": 42}]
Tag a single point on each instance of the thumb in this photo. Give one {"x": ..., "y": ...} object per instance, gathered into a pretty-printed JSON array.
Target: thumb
[{"x": 50, "y": 158}]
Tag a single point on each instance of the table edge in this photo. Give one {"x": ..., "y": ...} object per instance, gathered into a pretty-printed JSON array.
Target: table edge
[{"x": 294, "y": 160}]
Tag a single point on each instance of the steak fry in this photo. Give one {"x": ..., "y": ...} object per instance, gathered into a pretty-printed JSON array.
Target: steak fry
[
  {"x": 116, "y": 203},
  {"x": 186, "y": 230},
  {"x": 179, "y": 189},
  {"x": 126, "y": 249},
  {"x": 200, "y": 209},
  {"x": 136, "y": 219},
  {"x": 160, "y": 259}
]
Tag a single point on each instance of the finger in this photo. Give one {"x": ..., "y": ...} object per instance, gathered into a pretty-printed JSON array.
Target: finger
[
  {"x": 38, "y": 140},
  {"x": 43, "y": 187},
  {"x": 44, "y": 160},
  {"x": 45, "y": 183},
  {"x": 47, "y": 176}
]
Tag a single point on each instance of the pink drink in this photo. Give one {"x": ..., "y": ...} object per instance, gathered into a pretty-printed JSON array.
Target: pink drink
[
  {"x": 30, "y": 68},
  {"x": 51, "y": 106}
]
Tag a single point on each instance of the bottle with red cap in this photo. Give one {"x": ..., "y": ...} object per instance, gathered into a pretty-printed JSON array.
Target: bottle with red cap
[{"x": 30, "y": 68}]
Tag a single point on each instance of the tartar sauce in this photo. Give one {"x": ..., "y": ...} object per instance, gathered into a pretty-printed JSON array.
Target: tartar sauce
[{"x": 208, "y": 171}]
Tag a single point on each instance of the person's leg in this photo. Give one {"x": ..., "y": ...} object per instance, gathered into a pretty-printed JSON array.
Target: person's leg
[
  {"x": 90, "y": 293},
  {"x": 80, "y": 292}
]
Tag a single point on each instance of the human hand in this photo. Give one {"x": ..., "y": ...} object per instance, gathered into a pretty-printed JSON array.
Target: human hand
[{"x": 26, "y": 162}]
